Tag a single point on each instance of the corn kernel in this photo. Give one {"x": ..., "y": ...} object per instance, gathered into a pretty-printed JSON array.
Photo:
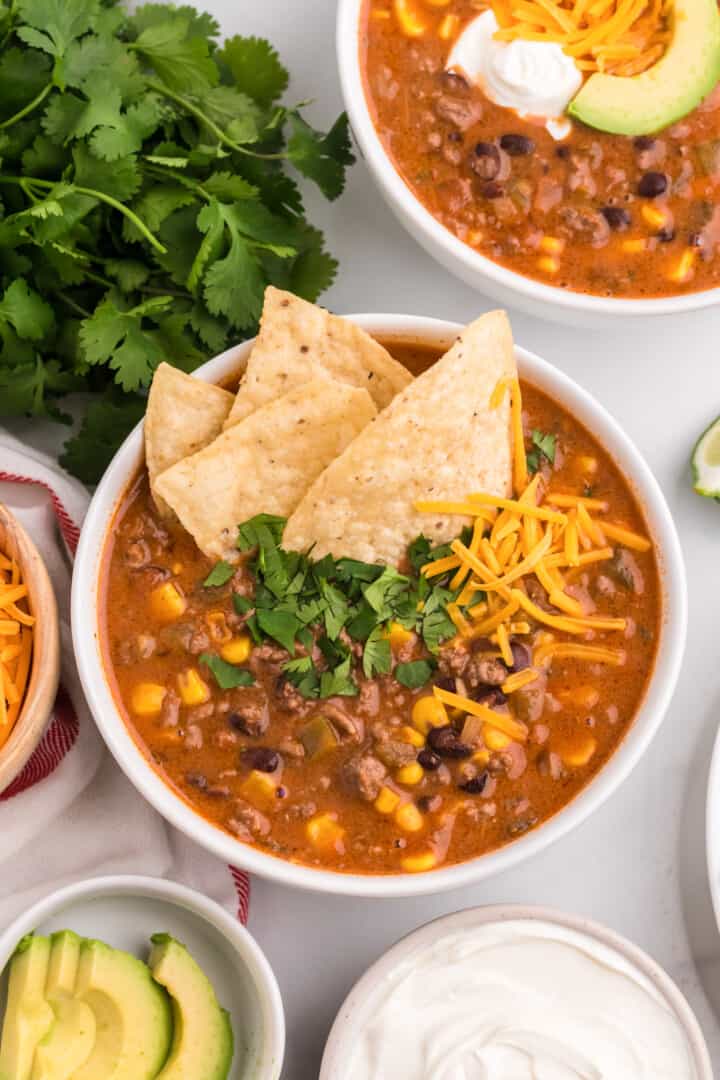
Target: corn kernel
[
  {"x": 579, "y": 751},
  {"x": 192, "y": 688},
  {"x": 548, "y": 265},
  {"x": 260, "y": 787},
  {"x": 147, "y": 699},
  {"x": 634, "y": 247},
  {"x": 410, "y": 774},
  {"x": 495, "y": 739},
  {"x": 588, "y": 464},
  {"x": 449, "y": 27},
  {"x": 409, "y": 18},
  {"x": 429, "y": 712},
  {"x": 475, "y": 236},
  {"x": 409, "y": 818},
  {"x": 417, "y": 864},
  {"x": 552, "y": 245},
  {"x": 238, "y": 650},
  {"x": 685, "y": 267},
  {"x": 386, "y": 801},
  {"x": 654, "y": 216},
  {"x": 409, "y": 734},
  {"x": 166, "y": 603},
  {"x": 481, "y": 758},
  {"x": 324, "y": 832},
  {"x": 177, "y": 568},
  {"x": 398, "y": 636}
]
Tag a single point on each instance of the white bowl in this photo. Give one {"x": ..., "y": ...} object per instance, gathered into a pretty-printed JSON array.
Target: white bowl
[
  {"x": 139, "y": 770},
  {"x": 357, "y": 1008},
  {"x": 489, "y": 277},
  {"x": 712, "y": 828},
  {"x": 124, "y": 911}
]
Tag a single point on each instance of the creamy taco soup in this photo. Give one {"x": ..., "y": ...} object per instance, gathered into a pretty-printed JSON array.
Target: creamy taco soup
[
  {"x": 575, "y": 143},
  {"x": 333, "y": 704}
]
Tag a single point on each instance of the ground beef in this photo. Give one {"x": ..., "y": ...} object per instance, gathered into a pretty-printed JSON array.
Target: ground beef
[
  {"x": 395, "y": 753},
  {"x": 485, "y": 671},
  {"x": 453, "y": 661},
  {"x": 248, "y": 822},
  {"x": 170, "y": 710},
  {"x": 347, "y": 726},
  {"x": 365, "y": 776},
  {"x": 248, "y": 712}
]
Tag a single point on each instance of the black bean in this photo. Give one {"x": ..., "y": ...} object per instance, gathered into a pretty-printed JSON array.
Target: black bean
[
  {"x": 517, "y": 145},
  {"x": 489, "y": 695},
  {"x": 197, "y": 780},
  {"x": 643, "y": 142},
  {"x": 616, "y": 216},
  {"x": 262, "y": 758},
  {"x": 446, "y": 682},
  {"x": 485, "y": 161},
  {"x": 521, "y": 656},
  {"x": 476, "y": 785},
  {"x": 563, "y": 152},
  {"x": 445, "y": 742},
  {"x": 492, "y": 190},
  {"x": 666, "y": 235},
  {"x": 428, "y": 760},
  {"x": 652, "y": 184}
]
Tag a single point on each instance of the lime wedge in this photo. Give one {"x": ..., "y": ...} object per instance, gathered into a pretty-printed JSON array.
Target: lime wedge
[{"x": 706, "y": 462}]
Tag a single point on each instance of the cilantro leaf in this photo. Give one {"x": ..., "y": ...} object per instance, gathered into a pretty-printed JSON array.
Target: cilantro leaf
[
  {"x": 385, "y": 591},
  {"x": 282, "y": 626},
  {"x": 320, "y": 157},
  {"x": 219, "y": 575},
  {"x": 336, "y": 609},
  {"x": 27, "y": 312},
  {"x": 543, "y": 446},
  {"x": 338, "y": 682},
  {"x": 255, "y": 68},
  {"x": 114, "y": 337},
  {"x": 106, "y": 424},
  {"x": 304, "y": 676},
  {"x": 227, "y": 676},
  {"x": 248, "y": 536},
  {"x": 180, "y": 57},
  {"x": 51, "y": 25},
  {"x": 377, "y": 657},
  {"x": 120, "y": 179},
  {"x": 127, "y": 136},
  {"x": 414, "y": 674}
]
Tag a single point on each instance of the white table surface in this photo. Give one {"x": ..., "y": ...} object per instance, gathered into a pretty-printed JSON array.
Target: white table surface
[{"x": 639, "y": 864}]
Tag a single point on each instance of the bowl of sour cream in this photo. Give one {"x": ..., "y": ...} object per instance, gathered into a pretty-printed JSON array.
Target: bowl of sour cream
[{"x": 515, "y": 993}]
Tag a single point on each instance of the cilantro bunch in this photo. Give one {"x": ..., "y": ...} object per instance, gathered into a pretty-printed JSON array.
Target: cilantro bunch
[
  {"x": 144, "y": 203},
  {"x": 335, "y": 603}
]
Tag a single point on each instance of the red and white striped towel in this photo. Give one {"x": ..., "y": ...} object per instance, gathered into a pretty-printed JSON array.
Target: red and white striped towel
[{"x": 71, "y": 813}]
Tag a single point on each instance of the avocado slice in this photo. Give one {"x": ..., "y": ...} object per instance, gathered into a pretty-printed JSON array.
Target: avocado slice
[
  {"x": 71, "y": 1038},
  {"x": 202, "y": 1046},
  {"x": 28, "y": 1017},
  {"x": 132, "y": 1015},
  {"x": 645, "y": 103}
]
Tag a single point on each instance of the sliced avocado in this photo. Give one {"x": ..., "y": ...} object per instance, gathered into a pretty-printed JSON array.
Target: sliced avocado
[
  {"x": 28, "y": 1017},
  {"x": 68, "y": 1043},
  {"x": 202, "y": 1046},
  {"x": 643, "y": 104},
  {"x": 132, "y": 1015}
]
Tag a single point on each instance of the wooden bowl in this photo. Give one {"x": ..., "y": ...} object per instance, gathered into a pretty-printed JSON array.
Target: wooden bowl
[{"x": 45, "y": 666}]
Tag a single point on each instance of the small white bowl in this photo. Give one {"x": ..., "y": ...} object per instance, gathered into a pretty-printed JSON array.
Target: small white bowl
[
  {"x": 357, "y": 1008},
  {"x": 489, "y": 277},
  {"x": 125, "y": 910},
  {"x": 86, "y": 641}
]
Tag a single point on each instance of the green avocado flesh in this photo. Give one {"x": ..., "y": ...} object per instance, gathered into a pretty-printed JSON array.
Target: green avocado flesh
[
  {"x": 28, "y": 1016},
  {"x": 672, "y": 88},
  {"x": 68, "y": 1043},
  {"x": 202, "y": 1046},
  {"x": 132, "y": 1013}
]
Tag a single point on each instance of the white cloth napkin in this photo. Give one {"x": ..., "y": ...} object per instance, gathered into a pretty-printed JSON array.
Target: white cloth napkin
[{"x": 84, "y": 819}]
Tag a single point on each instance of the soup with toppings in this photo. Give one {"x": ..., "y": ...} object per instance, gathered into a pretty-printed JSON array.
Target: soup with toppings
[{"x": 397, "y": 765}]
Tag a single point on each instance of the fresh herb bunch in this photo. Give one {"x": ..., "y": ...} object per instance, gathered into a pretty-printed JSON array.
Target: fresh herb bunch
[
  {"x": 145, "y": 203},
  {"x": 301, "y": 601}
]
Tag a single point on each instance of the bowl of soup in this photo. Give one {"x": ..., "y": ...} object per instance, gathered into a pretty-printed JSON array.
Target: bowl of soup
[
  {"x": 558, "y": 157},
  {"x": 377, "y": 641}
]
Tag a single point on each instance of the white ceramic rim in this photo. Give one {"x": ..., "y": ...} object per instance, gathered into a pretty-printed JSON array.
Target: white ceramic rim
[
  {"x": 712, "y": 821},
  {"x": 434, "y": 237},
  {"x": 170, "y": 892},
  {"x": 139, "y": 771},
  {"x": 481, "y": 916}
]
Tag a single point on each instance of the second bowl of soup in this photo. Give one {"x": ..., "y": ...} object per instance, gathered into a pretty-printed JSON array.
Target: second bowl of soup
[{"x": 391, "y": 631}]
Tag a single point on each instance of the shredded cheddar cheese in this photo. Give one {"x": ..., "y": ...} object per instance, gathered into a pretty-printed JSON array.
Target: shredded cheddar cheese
[{"x": 16, "y": 640}]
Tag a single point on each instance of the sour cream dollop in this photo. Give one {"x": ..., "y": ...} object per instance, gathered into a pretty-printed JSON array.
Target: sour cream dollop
[
  {"x": 535, "y": 78},
  {"x": 521, "y": 1000}
]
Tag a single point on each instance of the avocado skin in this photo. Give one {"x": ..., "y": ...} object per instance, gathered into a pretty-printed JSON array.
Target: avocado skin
[
  {"x": 203, "y": 1043},
  {"x": 28, "y": 1017},
  {"x": 645, "y": 104}
]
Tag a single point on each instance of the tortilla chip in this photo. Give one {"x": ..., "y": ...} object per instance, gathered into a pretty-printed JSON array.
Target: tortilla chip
[
  {"x": 439, "y": 439},
  {"x": 264, "y": 464},
  {"x": 299, "y": 341},
  {"x": 183, "y": 415}
]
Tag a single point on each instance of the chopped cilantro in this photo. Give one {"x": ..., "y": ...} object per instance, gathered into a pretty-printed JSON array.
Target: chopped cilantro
[
  {"x": 377, "y": 657},
  {"x": 543, "y": 446},
  {"x": 248, "y": 532},
  {"x": 219, "y": 575},
  {"x": 227, "y": 676},
  {"x": 415, "y": 674},
  {"x": 336, "y": 610},
  {"x": 338, "y": 682},
  {"x": 282, "y": 626}
]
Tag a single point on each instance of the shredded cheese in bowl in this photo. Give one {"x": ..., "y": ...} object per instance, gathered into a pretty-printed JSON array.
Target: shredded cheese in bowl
[{"x": 16, "y": 643}]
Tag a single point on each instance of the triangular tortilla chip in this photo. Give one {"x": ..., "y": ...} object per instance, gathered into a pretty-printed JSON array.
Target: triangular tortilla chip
[
  {"x": 299, "y": 341},
  {"x": 264, "y": 464},
  {"x": 439, "y": 439},
  {"x": 183, "y": 415}
]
